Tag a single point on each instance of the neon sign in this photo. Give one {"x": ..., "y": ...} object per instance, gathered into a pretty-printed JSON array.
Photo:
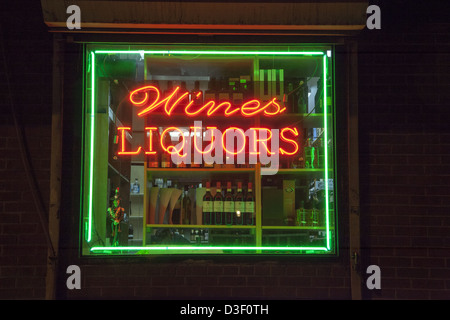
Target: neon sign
[
  {"x": 254, "y": 142},
  {"x": 149, "y": 98}
]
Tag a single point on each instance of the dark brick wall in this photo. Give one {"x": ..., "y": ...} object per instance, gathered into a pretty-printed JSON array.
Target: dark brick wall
[
  {"x": 28, "y": 54},
  {"x": 404, "y": 154},
  {"x": 405, "y": 151}
]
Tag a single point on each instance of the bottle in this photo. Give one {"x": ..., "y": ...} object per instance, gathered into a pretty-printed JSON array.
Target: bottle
[
  {"x": 239, "y": 205},
  {"x": 187, "y": 206},
  {"x": 183, "y": 102},
  {"x": 182, "y": 161},
  {"x": 249, "y": 206},
  {"x": 301, "y": 215},
  {"x": 154, "y": 160},
  {"x": 237, "y": 96},
  {"x": 196, "y": 94},
  {"x": 166, "y": 157},
  {"x": 224, "y": 93},
  {"x": 169, "y": 89},
  {"x": 207, "y": 147},
  {"x": 211, "y": 92},
  {"x": 228, "y": 206},
  {"x": 207, "y": 205},
  {"x": 191, "y": 153},
  {"x": 218, "y": 205},
  {"x": 315, "y": 212},
  {"x": 135, "y": 187}
]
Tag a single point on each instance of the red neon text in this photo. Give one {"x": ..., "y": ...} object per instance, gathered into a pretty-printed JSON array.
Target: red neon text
[{"x": 149, "y": 98}]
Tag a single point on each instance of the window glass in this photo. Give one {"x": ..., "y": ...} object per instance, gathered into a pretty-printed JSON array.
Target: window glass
[{"x": 208, "y": 150}]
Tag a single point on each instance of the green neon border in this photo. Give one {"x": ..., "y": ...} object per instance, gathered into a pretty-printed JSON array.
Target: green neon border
[{"x": 92, "y": 66}]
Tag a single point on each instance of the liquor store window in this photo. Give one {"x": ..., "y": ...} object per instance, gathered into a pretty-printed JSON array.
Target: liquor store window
[{"x": 225, "y": 150}]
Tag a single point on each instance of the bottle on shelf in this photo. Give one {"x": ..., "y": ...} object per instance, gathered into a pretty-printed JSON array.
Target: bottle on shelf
[
  {"x": 166, "y": 159},
  {"x": 211, "y": 92},
  {"x": 301, "y": 215},
  {"x": 224, "y": 93},
  {"x": 239, "y": 205},
  {"x": 135, "y": 187},
  {"x": 237, "y": 95},
  {"x": 187, "y": 206},
  {"x": 197, "y": 94},
  {"x": 206, "y": 148},
  {"x": 169, "y": 88},
  {"x": 191, "y": 138},
  {"x": 218, "y": 205},
  {"x": 154, "y": 160},
  {"x": 182, "y": 161},
  {"x": 228, "y": 206},
  {"x": 249, "y": 213},
  {"x": 207, "y": 205},
  {"x": 183, "y": 103}
]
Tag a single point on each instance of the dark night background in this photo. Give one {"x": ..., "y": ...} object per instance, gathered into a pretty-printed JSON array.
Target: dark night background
[{"x": 404, "y": 144}]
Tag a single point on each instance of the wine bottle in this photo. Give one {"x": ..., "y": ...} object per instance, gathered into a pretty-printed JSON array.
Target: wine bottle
[
  {"x": 218, "y": 205},
  {"x": 249, "y": 206},
  {"x": 182, "y": 161},
  {"x": 228, "y": 206},
  {"x": 207, "y": 205},
  {"x": 239, "y": 205},
  {"x": 187, "y": 205},
  {"x": 224, "y": 93},
  {"x": 153, "y": 160},
  {"x": 211, "y": 92},
  {"x": 197, "y": 94},
  {"x": 237, "y": 95},
  {"x": 166, "y": 161}
]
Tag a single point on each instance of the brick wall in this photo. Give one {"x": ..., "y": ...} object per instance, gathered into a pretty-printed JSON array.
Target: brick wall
[
  {"x": 404, "y": 156},
  {"x": 28, "y": 55},
  {"x": 405, "y": 151}
]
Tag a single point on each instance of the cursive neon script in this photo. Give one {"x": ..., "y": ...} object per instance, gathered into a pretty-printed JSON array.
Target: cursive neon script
[{"x": 149, "y": 98}]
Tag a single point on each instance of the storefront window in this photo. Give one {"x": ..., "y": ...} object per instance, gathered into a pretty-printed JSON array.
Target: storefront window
[{"x": 208, "y": 150}]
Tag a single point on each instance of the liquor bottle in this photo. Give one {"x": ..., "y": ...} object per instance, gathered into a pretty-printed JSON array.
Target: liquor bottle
[
  {"x": 206, "y": 147},
  {"x": 246, "y": 87},
  {"x": 211, "y": 92},
  {"x": 249, "y": 206},
  {"x": 169, "y": 89},
  {"x": 183, "y": 103},
  {"x": 182, "y": 161},
  {"x": 154, "y": 160},
  {"x": 239, "y": 205},
  {"x": 218, "y": 205},
  {"x": 207, "y": 205},
  {"x": 197, "y": 94},
  {"x": 237, "y": 95},
  {"x": 187, "y": 206},
  {"x": 224, "y": 93},
  {"x": 166, "y": 158},
  {"x": 301, "y": 215},
  {"x": 315, "y": 212},
  {"x": 135, "y": 187},
  {"x": 228, "y": 206},
  {"x": 192, "y": 151}
]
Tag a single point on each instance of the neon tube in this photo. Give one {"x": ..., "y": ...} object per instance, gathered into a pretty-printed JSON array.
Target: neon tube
[
  {"x": 91, "y": 160},
  {"x": 325, "y": 134}
]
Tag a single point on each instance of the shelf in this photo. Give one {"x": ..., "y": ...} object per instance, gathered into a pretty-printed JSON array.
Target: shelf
[
  {"x": 292, "y": 228},
  {"x": 201, "y": 226},
  {"x": 199, "y": 173}
]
